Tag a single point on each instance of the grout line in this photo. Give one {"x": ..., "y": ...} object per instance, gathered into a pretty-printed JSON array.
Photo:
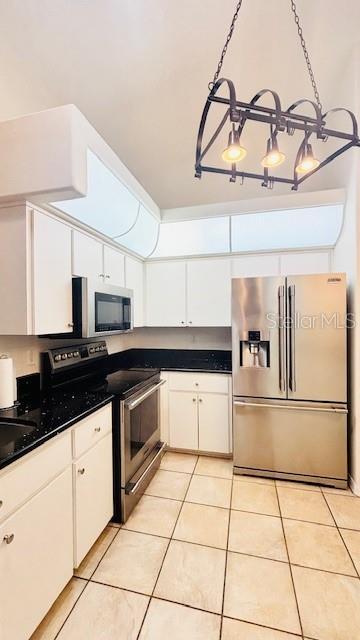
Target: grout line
[
  {"x": 166, "y": 552},
  {"x": 290, "y": 568},
  {"x": 341, "y": 536},
  {"x": 72, "y": 608},
  {"x": 226, "y": 562},
  {"x": 102, "y": 556}
]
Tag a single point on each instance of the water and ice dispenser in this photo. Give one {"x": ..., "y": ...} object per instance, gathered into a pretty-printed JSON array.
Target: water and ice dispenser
[{"x": 254, "y": 351}]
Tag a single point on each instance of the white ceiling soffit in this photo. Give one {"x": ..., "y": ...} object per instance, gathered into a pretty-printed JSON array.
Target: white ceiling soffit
[{"x": 138, "y": 70}]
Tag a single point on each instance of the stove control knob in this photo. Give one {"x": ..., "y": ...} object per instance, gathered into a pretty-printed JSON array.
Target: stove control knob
[
  {"x": 91, "y": 350},
  {"x": 102, "y": 348},
  {"x": 76, "y": 354},
  {"x": 57, "y": 358},
  {"x": 97, "y": 349},
  {"x": 70, "y": 354},
  {"x": 63, "y": 356}
]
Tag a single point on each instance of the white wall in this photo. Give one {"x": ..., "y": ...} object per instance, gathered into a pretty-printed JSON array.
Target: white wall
[{"x": 346, "y": 258}]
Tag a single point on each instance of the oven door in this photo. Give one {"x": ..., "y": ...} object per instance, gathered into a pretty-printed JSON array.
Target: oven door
[{"x": 140, "y": 430}]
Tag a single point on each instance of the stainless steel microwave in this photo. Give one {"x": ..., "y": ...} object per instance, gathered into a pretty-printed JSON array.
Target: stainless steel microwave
[{"x": 99, "y": 309}]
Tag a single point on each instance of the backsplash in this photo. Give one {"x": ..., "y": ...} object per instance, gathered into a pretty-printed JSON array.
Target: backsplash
[{"x": 25, "y": 350}]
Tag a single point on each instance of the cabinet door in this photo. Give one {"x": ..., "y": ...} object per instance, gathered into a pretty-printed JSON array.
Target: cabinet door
[
  {"x": 52, "y": 301},
  {"x": 87, "y": 256},
  {"x": 93, "y": 487},
  {"x": 307, "y": 262},
  {"x": 114, "y": 266},
  {"x": 134, "y": 279},
  {"x": 255, "y": 266},
  {"x": 183, "y": 420},
  {"x": 209, "y": 293},
  {"x": 38, "y": 563},
  {"x": 165, "y": 294},
  {"x": 214, "y": 427}
]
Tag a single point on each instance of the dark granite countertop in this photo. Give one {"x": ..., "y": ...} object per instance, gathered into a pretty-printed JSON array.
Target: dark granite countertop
[
  {"x": 27, "y": 426},
  {"x": 42, "y": 417},
  {"x": 199, "y": 360}
]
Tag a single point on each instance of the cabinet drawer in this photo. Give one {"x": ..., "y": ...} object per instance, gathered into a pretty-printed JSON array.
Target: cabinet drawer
[
  {"x": 37, "y": 562},
  {"x": 90, "y": 430},
  {"x": 93, "y": 487},
  {"x": 211, "y": 382},
  {"x": 33, "y": 472}
]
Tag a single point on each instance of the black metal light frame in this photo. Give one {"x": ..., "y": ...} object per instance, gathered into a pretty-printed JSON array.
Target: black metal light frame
[{"x": 238, "y": 113}]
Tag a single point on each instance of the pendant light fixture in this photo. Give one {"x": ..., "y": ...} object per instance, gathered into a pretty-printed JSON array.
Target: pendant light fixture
[{"x": 237, "y": 114}]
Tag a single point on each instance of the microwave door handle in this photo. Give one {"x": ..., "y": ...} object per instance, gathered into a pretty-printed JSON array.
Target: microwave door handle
[
  {"x": 135, "y": 403},
  {"x": 282, "y": 338},
  {"x": 292, "y": 375}
]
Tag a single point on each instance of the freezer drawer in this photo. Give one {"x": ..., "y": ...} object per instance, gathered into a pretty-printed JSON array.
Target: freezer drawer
[{"x": 289, "y": 438}]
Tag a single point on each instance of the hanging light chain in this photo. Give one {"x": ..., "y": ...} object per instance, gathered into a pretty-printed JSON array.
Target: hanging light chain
[
  {"x": 306, "y": 55},
  {"x": 223, "y": 53}
]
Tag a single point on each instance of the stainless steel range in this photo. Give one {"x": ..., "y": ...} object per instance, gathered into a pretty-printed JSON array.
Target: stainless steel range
[{"x": 137, "y": 449}]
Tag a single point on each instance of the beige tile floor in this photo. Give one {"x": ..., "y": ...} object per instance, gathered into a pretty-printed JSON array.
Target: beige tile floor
[{"x": 206, "y": 556}]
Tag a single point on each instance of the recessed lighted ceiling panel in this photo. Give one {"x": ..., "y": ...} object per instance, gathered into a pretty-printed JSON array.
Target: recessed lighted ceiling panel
[
  {"x": 143, "y": 235},
  {"x": 288, "y": 229},
  {"x": 193, "y": 237},
  {"x": 108, "y": 207}
]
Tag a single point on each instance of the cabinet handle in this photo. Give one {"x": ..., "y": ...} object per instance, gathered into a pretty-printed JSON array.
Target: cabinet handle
[
  {"x": 1, "y": 503},
  {"x": 97, "y": 429},
  {"x": 190, "y": 321},
  {"x": 101, "y": 275},
  {"x": 107, "y": 276},
  {"x": 182, "y": 322},
  {"x": 200, "y": 399},
  {"x": 196, "y": 384},
  {"x": 70, "y": 324},
  {"x": 194, "y": 399},
  {"x": 8, "y": 538},
  {"x": 81, "y": 471}
]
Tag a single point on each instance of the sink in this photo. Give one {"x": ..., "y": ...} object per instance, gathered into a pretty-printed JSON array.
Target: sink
[{"x": 10, "y": 433}]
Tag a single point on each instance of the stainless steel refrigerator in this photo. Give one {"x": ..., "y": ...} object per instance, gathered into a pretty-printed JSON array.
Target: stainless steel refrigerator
[{"x": 289, "y": 377}]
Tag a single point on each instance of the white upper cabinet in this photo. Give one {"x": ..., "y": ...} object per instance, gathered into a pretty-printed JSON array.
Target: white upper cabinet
[
  {"x": 134, "y": 279},
  {"x": 114, "y": 266},
  {"x": 87, "y": 256},
  {"x": 304, "y": 263},
  {"x": 52, "y": 303},
  {"x": 92, "y": 259},
  {"x": 35, "y": 273},
  {"x": 256, "y": 266},
  {"x": 166, "y": 294},
  {"x": 209, "y": 293}
]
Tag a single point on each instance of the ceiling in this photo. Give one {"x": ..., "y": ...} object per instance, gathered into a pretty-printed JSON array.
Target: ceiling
[{"x": 139, "y": 69}]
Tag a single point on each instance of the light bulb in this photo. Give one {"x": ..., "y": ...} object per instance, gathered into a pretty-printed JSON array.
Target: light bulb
[
  {"x": 273, "y": 157},
  {"x": 234, "y": 152},
  {"x": 307, "y": 161}
]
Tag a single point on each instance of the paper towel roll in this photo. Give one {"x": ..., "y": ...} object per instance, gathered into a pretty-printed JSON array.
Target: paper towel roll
[{"x": 7, "y": 392}]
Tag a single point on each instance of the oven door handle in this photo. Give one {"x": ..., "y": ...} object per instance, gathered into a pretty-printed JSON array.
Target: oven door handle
[
  {"x": 135, "y": 403},
  {"x": 130, "y": 488}
]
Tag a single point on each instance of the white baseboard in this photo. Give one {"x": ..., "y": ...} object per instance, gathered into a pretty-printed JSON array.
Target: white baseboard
[{"x": 355, "y": 487}]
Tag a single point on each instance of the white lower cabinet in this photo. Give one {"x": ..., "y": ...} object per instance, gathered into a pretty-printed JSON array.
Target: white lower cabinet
[
  {"x": 93, "y": 496},
  {"x": 214, "y": 433},
  {"x": 183, "y": 420},
  {"x": 198, "y": 412},
  {"x": 36, "y": 558}
]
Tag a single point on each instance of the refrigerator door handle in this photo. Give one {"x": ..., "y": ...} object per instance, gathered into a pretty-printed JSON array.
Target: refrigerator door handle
[
  {"x": 291, "y": 333},
  {"x": 282, "y": 338},
  {"x": 330, "y": 409}
]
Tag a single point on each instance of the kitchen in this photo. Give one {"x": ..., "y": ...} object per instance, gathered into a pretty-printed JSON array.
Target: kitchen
[{"x": 179, "y": 439}]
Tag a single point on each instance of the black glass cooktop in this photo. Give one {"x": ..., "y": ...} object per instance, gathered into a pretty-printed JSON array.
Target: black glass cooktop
[{"x": 124, "y": 383}]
